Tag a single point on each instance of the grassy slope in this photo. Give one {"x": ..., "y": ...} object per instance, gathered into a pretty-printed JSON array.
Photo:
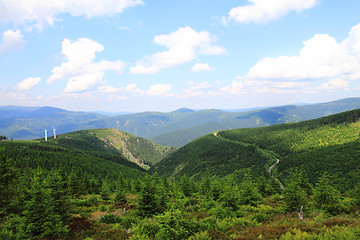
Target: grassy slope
[
  {"x": 328, "y": 144},
  {"x": 113, "y": 141}
]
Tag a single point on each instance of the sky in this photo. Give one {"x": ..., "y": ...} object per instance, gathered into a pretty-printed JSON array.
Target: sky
[{"x": 148, "y": 55}]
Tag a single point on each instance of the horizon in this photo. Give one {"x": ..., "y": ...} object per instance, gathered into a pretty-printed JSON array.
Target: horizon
[
  {"x": 141, "y": 55},
  {"x": 174, "y": 110}
]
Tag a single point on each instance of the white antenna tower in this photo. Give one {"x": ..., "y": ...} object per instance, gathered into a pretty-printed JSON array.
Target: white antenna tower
[
  {"x": 54, "y": 132},
  {"x": 45, "y": 135}
]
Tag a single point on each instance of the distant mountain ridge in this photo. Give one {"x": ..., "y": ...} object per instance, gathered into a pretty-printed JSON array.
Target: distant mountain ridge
[{"x": 173, "y": 128}]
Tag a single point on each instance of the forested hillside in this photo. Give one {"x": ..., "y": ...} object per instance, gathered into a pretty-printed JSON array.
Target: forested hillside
[
  {"x": 330, "y": 144},
  {"x": 105, "y": 141}
]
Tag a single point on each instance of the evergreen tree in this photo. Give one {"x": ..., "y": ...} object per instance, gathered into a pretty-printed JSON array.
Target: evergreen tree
[
  {"x": 59, "y": 195},
  {"x": 295, "y": 195},
  {"x": 7, "y": 183},
  {"x": 148, "y": 202},
  {"x": 41, "y": 219},
  {"x": 249, "y": 192},
  {"x": 326, "y": 196},
  {"x": 120, "y": 196}
]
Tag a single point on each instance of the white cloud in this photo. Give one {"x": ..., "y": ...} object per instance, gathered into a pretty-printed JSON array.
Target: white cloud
[
  {"x": 260, "y": 11},
  {"x": 200, "y": 67},
  {"x": 108, "y": 89},
  {"x": 184, "y": 45},
  {"x": 236, "y": 87},
  {"x": 160, "y": 89},
  {"x": 39, "y": 12},
  {"x": 28, "y": 83},
  {"x": 322, "y": 57},
  {"x": 334, "y": 84},
  {"x": 191, "y": 93},
  {"x": 80, "y": 69},
  {"x": 202, "y": 85},
  {"x": 132, "y": 88},
  {"x": 12, "y": 41}
]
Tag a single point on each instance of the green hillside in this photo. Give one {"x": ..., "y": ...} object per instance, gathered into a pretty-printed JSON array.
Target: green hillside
[
  {"x": 115, "y": 142},
  {"x": 27, "y": 156},
  {"x": 251, "y": 119},
  {"x": 328, "y": 144}
]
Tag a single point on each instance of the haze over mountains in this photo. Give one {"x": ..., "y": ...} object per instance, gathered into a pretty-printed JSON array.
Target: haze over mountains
[{"x": 174, "y": 128}]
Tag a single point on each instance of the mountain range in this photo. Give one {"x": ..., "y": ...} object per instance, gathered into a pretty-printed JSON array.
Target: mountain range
[{"x": 174, "y": 128}]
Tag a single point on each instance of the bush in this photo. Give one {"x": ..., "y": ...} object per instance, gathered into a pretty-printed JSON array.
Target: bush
[
  {"x": 110, "y": 218},
  {"x": 103, "y": 208}
]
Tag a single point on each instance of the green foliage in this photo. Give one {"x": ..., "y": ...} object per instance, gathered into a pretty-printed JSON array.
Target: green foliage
[
  {"x": 326, "y": 196},
  {"x": 148, "y": 201},
  {"x": 110, "y": 218},
  {"x": 116, "y": 145},
  {"x": 39, "y": 217},
  {"x": 295, "y": 194},
  {"x": 173, "y": 225},
  {"x": 7, "y": 180},
  {"x": 249, "y": 192}
]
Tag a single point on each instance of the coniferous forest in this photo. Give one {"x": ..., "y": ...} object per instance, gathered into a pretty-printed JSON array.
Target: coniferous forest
[{"x": 287, "y": 181}]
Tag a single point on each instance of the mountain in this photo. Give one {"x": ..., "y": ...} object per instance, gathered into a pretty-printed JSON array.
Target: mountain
[
  {"x": 174, "y": 128},
  {"x": 29, "y": 123},
  {"x": 116, "y": 143},
  {"x": 330, "y": 144},
  {"x": 256, "y": 118}
]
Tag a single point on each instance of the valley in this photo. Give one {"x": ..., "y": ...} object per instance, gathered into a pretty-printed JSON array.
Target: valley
[{"x": 245, "y": 183}]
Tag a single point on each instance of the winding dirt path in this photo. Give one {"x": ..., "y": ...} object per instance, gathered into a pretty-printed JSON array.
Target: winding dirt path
[{"x": 277, "y": 180}]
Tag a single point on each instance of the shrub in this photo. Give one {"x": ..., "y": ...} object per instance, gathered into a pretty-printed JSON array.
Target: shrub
[{"x": 110, "y": 218}]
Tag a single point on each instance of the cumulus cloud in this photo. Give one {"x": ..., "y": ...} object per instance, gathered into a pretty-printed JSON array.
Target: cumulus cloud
[
  {"x": 184, "y": 45},
  {"x": 201, "y": 67},
  {"x": 80, "y": 69},
  {"x": 261, "y": 11},
  {"x": 322, "y": 58},
  {"x": 39, "y": 12},
  {"x": 191, "y": 93},
  {"x": 28, "y": 83},
  {"x": 12, "y": 41},
  {"x": 132, "y": 88},
  {"x": 334, "y": 84},
  {"x": 160, "y": 89}
]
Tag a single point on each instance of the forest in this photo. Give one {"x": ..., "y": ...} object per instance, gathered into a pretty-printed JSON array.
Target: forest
[{"x": 52, "y": 190}]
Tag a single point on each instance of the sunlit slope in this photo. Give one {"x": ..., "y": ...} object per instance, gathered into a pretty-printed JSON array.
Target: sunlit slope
[
  {"x": 117, "y": 143},
  {"x": 330, "y": 144},
  {"x": 327, "y": 144}
]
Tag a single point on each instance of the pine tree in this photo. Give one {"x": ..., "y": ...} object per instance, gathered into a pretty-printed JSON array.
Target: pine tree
[
  {"x": 326, "y": 196},
  {"x": 7, "y": 183},
  {"x": 148, "y": 202},
  {"x": 249, "y": 192},
  {"x": 59, "y": 195},
  {"x": 295, "y": 194},
  {"x": 41, "y": 217}
]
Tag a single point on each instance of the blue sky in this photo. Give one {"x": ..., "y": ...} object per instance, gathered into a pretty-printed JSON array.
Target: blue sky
[{"x": 146, "y": 55}]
